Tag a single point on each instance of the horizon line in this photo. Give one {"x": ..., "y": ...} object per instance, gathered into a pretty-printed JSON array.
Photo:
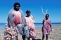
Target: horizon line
[{"x": 52, "y": 22}]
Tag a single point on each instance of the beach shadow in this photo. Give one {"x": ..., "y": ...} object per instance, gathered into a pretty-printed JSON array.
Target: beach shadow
[{"x": 37, "y": 39}]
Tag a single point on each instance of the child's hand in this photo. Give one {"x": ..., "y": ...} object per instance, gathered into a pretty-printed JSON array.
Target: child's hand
[
  {"x": 12, "y": 33},
  {"x": 12, "y": 36},
  {"x": 25, "y": 25},
  {"x": 8, "y": 38},
  {"x": 51, "y": 29}
]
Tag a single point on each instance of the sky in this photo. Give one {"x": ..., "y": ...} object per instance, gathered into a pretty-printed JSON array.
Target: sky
[{"x": 53, "y": 6}]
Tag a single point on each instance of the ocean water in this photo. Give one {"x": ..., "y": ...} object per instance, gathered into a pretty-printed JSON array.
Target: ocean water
[{"x": 37, "y": 25}]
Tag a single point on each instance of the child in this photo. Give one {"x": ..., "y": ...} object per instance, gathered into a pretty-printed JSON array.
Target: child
[
  {"x": 30, "y": 24},
  {"x": 10, "y": 33},
  {"x": 46, "y": 29},
  {"x": 7, "y": 36}
]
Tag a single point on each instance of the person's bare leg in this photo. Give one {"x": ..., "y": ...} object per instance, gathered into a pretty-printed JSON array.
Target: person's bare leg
[
  {"x": 43, "y": 37},
  {"x": 33, "y": 39},
  {"x": 28, "y": 38},
  {"x": 46, "y": 37},
  {"x": 16, "y": 37},
  {"x": 23, "y": 37}
]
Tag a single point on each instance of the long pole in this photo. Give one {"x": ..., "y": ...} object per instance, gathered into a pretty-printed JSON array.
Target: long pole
[{"x": 43, "y": 12}]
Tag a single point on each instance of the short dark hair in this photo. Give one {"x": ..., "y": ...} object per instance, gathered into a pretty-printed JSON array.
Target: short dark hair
[
  {"x": 28, "y": 11},
  {"x": 47, "y": 15},
  {"x": 16, "y": 3}
]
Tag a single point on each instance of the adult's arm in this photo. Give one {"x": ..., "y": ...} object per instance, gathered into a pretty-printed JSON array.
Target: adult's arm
[{"x": 23, "y": 18}]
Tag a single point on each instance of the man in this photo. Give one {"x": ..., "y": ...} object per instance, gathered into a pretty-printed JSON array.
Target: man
[{"x": 16, "y": 17}]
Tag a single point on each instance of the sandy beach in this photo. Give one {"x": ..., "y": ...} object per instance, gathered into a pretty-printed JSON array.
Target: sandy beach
[{"x": 54, "y": 35}]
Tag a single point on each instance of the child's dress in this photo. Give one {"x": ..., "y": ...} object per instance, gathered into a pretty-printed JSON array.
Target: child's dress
[
  {"x": 46, "y": 28},
  {"x": 31, "y": 26}
]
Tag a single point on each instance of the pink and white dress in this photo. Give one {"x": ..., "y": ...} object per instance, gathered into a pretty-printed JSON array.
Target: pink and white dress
[
  {"x": 31, "y": 26},
  {"x": 46, "y": 28}
]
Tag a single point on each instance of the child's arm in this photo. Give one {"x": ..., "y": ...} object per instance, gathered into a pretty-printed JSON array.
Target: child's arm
[
  {"x": 33, "y": 18},
  {"x": 43, "y": 22},
  {"x": 25, "y": 22},
  {"x": 43, "y": 25},
  {"x": 8, "y": 22},
  {"x": 5, "y": 36},
  {"x": 50, "y": 26}
]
